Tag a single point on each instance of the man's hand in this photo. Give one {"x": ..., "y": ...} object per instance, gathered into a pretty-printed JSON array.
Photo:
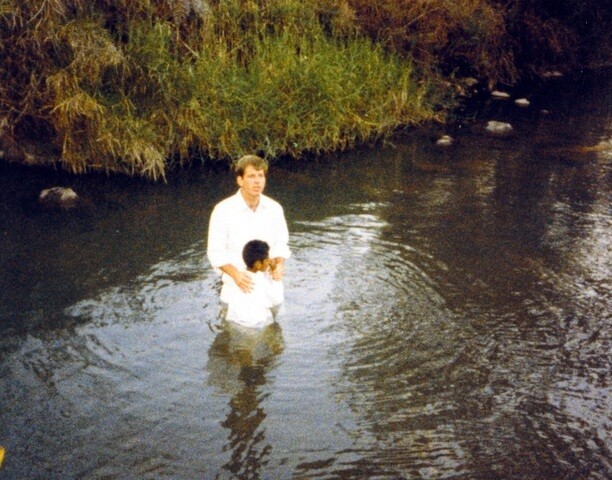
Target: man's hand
[
  {"x": 278, "y": 268},
  {"x": 243, "y": 280}
]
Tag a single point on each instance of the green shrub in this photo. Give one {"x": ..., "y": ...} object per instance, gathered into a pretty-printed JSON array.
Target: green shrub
[
  {"x": 496, "y": 40},
  {"x": 468, "y": 35},
  {"x": 129, "y": 86}
]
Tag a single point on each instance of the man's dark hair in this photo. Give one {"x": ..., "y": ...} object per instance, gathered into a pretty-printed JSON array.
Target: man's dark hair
[{"x": 254, "y": 251}]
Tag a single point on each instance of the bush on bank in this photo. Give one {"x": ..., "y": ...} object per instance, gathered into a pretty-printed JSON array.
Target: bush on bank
[
  {"x": 494, "y": 40},
  {"x": 133, "y": 86},
  {"x": 138, "y": 85}
]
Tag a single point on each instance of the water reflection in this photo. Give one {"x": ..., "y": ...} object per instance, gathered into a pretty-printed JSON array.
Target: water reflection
[
  {"x": 462, "y": 334},
  {"x": 239, "y": 361}
]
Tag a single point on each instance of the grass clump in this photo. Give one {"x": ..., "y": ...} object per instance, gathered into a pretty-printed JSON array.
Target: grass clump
[
  {"x": 307, "y": 94},
  {"x": 136, "y": 86}
]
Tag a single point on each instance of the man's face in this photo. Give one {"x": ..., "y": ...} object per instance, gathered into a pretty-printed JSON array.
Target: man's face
[{"x": 253, "y": 181}]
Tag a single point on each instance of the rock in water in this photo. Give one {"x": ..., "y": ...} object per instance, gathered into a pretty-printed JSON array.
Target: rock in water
[
  {"x": 500, "y": 95},
  {"x": 59, "y": 197},
  {"x": 445, "y": 141},
  {"x": 522, "y": 102},
  {"x": 499, "y": 128}
]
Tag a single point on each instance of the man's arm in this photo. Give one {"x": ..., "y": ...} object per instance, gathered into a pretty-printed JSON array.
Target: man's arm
[
  {"x": 217, "y": 239},
  {"x": 242, "y": 279},
  {"x": 278, "y": 272},
  {"x": 217, "y": 250}
]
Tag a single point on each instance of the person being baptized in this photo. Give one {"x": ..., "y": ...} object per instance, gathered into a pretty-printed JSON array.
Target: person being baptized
[{"x": 256, "y": 308}]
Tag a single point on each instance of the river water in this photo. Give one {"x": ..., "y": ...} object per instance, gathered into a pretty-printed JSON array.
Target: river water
[{"x": 447, "y": 315}]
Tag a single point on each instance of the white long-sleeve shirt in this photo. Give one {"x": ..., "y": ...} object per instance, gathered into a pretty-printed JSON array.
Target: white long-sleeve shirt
[
  {"x": 252, "y": 309},
  {"x": 233, "y": 224}
]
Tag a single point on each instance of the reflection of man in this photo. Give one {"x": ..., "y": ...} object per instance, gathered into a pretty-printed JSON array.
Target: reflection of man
[
  {"x": 238, "y": 366},
  {"x": 245, "y": 216}
]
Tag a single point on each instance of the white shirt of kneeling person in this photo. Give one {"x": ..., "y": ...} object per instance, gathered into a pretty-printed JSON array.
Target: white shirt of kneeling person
[{"x": 253, "y": 309}]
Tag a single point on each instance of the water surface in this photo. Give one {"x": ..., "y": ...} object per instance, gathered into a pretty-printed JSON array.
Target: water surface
[{"x": 447, "y": 315}]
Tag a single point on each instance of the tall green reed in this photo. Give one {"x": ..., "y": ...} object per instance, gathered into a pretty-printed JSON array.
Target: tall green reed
[{"x": 136, "y": 90}]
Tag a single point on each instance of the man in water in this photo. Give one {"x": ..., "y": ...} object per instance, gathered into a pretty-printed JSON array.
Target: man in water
[{"x": 247, "y": 215}]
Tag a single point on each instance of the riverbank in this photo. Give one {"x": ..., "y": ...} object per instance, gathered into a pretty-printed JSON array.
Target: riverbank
[{"x": 146, "y": 87}]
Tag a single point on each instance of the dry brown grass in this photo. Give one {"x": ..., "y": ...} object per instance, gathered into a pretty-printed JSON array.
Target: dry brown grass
[{"x": 466, "y": 35}]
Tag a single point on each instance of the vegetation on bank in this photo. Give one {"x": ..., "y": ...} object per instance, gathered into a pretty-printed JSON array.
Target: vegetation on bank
[
  {"x": 498, "y": 41},
  {"x": 139, "y": 85}
]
